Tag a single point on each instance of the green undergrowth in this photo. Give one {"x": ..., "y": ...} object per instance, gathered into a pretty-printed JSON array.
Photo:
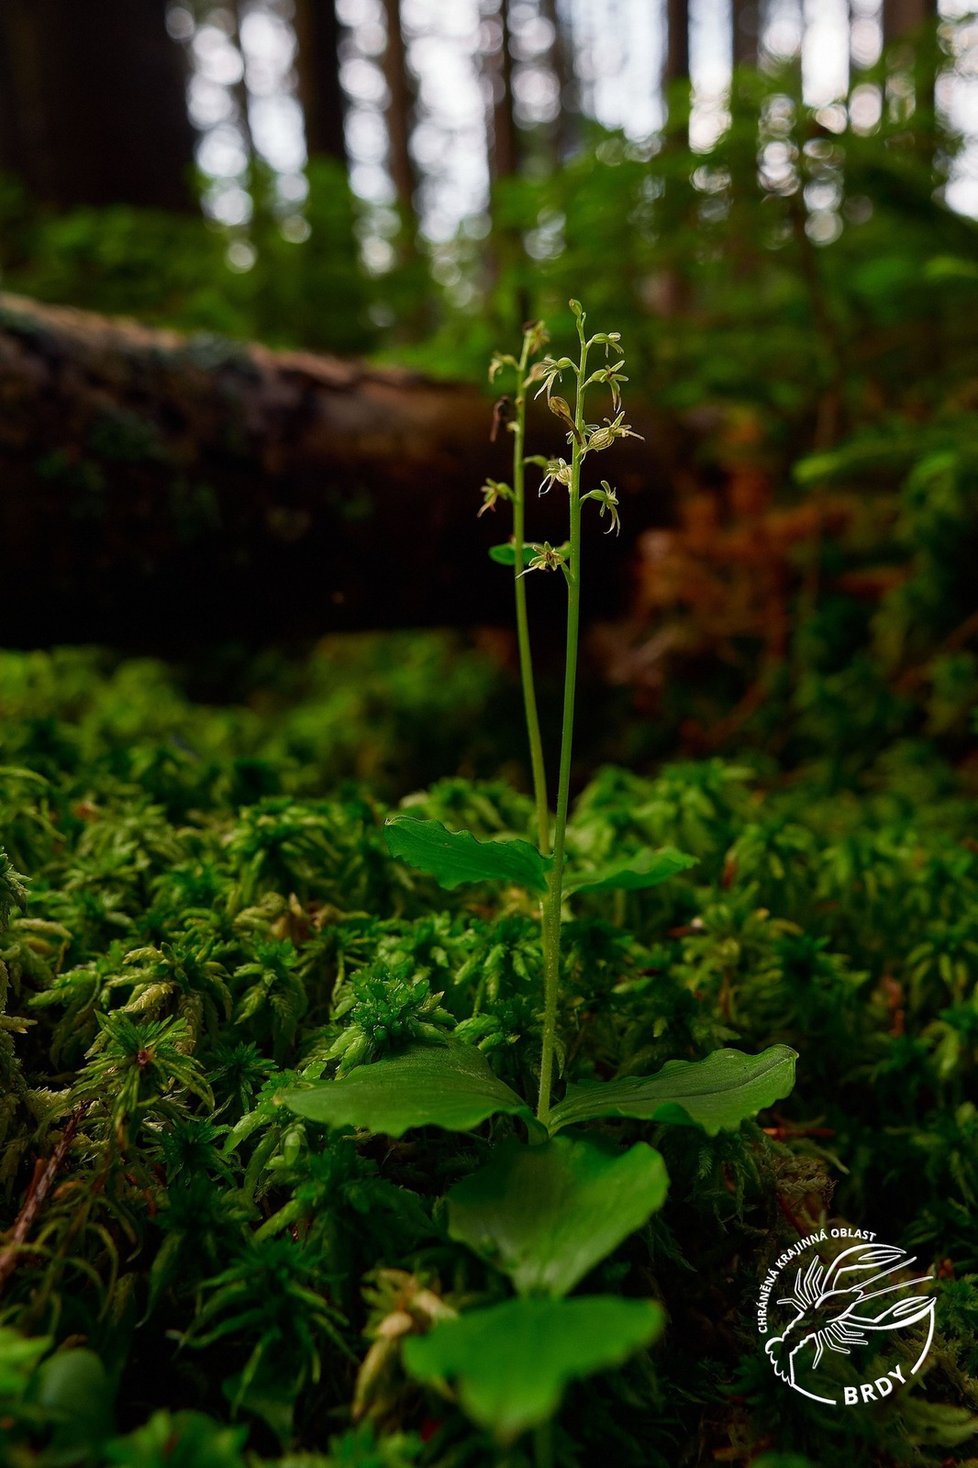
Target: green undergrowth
[{"x": 199, "y": 912}]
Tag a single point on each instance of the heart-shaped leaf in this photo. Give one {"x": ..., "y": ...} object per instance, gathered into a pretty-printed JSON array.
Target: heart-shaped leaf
[
  {"x": 717, "y": 1093},
  {"x": 511, "y": 1363},
  {"x": 505, "y": 555},
  {"x": 547, "y": 1215},
  {"x": 450, "y": 1086},
  {"x": 75, "y": 1394},
  {"x": 454, "y": 857},
  {"x": 634, "y": 875}
]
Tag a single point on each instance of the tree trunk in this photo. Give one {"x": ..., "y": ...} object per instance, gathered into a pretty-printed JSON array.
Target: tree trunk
[
  {"x": 505, "y": 143},
  {"x": 93, "y": 103},
  {"x": 318, "y": 62},
  {"x": 914, "y": 22},
  {"x": 162, "y": 491},
  {"x": 507, "y": 254},
  {"x": 566, "y": 125},
  {"x": 239, "y": 90},
  {"x": 905, "y": 17},
  {"x": 400, "y": 112},
  {"x": 671, "y": 288},
  {"x": 745, "y": 18},
  {"x": 677, "y": 42}
]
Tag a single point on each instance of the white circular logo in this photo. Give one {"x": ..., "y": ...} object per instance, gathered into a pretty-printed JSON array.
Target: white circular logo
[{"x": 837, "y": 1293}]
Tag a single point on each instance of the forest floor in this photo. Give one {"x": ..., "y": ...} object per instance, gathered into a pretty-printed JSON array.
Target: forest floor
[{"x": 211, "y": 915}]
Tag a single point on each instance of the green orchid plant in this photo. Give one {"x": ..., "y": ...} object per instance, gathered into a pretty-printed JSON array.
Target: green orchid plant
[{"x": 545, "y": 1210}]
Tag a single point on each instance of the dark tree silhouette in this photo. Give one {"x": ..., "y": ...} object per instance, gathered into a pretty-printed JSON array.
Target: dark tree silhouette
[
  {"x": 323, "y": 104},
  {"x": 746, "y": 21},
  {"x": 93, "y": 103},
  {"x": 677, "y": 42},
  {"x": 505, "y": 140},
  {"x": 914, "y": 22},
  {"x": 904, "y": 17},
  {"x": 400, "y": 111},
  {"x": 565, "y": 129}
]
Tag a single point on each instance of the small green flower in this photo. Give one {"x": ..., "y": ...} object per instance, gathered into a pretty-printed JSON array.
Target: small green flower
[
  {"x": 548, "y": 372},
  {"x": 547, "y": 558},
  {"x": 607, "y": 499},
  {"x": 612, "y": 377},
  {"x": 536, "y": 335},
  {"x": 603, "y": 438},
  {"x": 561, "y": 409},
  {"x": 500, "y": 361},
  {"x": 607, "y": 339},
  {"x": 492, "y": 492},
  {"x": 558, "y": 472}
]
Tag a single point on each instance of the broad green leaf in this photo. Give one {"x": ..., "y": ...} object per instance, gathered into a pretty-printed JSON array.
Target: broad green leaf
[
  {"x": 76, "y": 1397},
  {"x": 454, "y": 857},
  {"x": 717, "y": 1093},
  {"x": 647, "y": 870},
  {"x": 511, "y": 1363},
  {"x": 546, "y": 1215},
  {"x": 505, "y": 555},
  {"x": 450, "y": 1086}
]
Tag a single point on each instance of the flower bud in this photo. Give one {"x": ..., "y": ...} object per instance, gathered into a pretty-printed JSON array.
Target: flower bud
[{"x": 561, "y": 408}]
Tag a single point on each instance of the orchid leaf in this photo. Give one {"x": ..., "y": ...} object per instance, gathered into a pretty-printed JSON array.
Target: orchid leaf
[
  {"x": 546, "y": 1215},
  {"x": 454, "y": 857},
  {"x": 449, "y": 1086},
  {"x": 511, "y": 1363},
  {"x": 717, "y": 1093},
  {"x": 634, "y": 875}
]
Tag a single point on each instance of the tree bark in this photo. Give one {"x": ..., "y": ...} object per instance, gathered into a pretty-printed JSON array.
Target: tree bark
[
  {"x": 905, "y": 17},
  {"x": 745, "y": 17},
  {"x": 318, "y": 62},
  {"x": 914, "y": 23},
  {"x": 507, "y": 254},
  {"x": 677, "y": 42},
  {"x": 505, "y": 142},
  {"x": 93, "y": 103},
  {"x": 672, "y": 288},
  {"x": 566, "y": 125},
  {"x": 400, "y": 112},
  {"x": 162, "y": 491}
]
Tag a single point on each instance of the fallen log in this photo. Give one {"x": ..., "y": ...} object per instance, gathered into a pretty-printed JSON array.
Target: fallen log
[{"x": 158, "y": 491}]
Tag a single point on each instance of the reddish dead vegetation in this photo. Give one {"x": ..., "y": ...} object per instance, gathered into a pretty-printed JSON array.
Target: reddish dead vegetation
[{"x": 724, "y": 585}]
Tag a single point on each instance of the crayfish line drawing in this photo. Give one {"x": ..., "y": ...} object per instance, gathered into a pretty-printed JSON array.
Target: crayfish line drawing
[{"x": 834, "y": 1306}]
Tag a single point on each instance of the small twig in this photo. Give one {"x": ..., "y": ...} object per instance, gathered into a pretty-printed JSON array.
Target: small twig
[{"x": 40, "y": 1186}]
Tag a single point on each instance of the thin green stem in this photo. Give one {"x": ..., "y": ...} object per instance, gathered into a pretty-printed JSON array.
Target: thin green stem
[
  {"x": 522, "y": 620},
  {"x": 554, "y": 897}
]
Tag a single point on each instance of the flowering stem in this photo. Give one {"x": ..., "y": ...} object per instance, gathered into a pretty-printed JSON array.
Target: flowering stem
[
  {"x": 553, "y": 899},
  {"x": 522, "y": 621}
]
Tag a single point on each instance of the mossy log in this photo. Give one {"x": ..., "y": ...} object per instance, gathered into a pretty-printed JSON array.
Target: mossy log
[{"x": 160, "y": 490}]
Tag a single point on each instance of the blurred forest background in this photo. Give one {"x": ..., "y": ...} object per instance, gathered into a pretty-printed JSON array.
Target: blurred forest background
[
  {"x": 775, "y": 203},
  {"x": 363, "y": 173},
  {"x": 254, "y": 260}
]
